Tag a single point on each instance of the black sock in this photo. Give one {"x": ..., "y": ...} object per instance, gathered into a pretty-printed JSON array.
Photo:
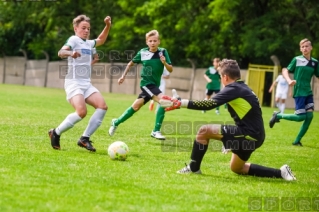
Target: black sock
[
  {"x": 262, "y": 171},
  {"x": 198, "y": 153}
]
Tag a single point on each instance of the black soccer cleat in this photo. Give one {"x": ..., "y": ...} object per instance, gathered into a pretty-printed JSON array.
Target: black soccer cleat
[
  {"x": 87, "y": 144},
  {"x": 55, "y": 139},
  {"x": 297, "y": 143},
  {"x": 273, "y": 119}
]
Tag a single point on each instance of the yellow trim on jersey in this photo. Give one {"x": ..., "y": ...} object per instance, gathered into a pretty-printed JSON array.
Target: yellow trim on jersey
[{"x": 241, "y": 107}]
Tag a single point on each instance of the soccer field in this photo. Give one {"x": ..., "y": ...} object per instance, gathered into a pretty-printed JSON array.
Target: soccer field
[{"x": 35, "y": 177}]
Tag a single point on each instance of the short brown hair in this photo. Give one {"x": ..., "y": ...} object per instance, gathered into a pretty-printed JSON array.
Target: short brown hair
[
  {"x": 304, "y": 41},
  {"x": 153, "y": 32},
  {"x": 217, "y": 59},
  {"x": 79, "y": 19},
  {"x": 230, "y": 68}
]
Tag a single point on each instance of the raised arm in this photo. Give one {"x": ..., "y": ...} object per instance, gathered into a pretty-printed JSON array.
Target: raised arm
[{"x": 105, "y": 32}]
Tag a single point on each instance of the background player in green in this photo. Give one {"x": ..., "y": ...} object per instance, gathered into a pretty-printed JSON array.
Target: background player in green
[
  {"x": 213, "y": 81},
  {"x": 244, "y": 137},
  {"x": 303, "y": 67},
  {"x": 154, "y": 59}
]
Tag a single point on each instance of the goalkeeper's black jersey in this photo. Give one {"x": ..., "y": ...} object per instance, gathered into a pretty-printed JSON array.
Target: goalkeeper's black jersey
[{"x": 243, "y": 106}]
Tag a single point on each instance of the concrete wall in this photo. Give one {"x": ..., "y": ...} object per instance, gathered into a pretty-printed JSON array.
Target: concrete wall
[
  {"x": 14, "y": 69},
  {"x": 56, "y": 71},
  {"x": 35, "y": 72}
]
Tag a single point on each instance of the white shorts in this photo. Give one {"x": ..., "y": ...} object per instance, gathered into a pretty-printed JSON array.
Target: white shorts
[
  {"x": 74, "y": 88},
  {"x": 281, "y": 95}
]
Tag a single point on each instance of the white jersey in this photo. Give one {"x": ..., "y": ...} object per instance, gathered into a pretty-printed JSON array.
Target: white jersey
[
  {"x": 79, "y": 69},
  {"x": 163, "y": 81},
  {"x": 282, "y": 85}
]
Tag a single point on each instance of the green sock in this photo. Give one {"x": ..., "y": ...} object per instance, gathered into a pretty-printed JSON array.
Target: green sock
[
  {"x": 159, "y": 119},
  {"x": 304, "y": 126},
  {"x": 217, "y": 108},
  {"x": 292, "y": 117},
  {"x": 126, "y": 115}
]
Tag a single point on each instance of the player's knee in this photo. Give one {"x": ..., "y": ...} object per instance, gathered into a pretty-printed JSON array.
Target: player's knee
[
  {"x": 309, "y": 115},
  {"x": 136, "y": 107},
  {"x": 203, "y": 130},
  {"x": 235, "y": 169},
  {"x": 301, "y": 117},
  {"x": 82, "y": 112},
  {"x": 103, "y": 106}
]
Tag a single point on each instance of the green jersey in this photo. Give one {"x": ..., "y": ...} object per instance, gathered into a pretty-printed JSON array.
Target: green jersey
[
  {"x": 303, "y": 70},
  {"x": 212, "y": 74},
  {"x": 153, "y": 67}
]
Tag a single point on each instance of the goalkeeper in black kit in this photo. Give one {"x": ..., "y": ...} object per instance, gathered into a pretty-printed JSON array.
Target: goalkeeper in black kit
[{"x": 243, "y": 138}]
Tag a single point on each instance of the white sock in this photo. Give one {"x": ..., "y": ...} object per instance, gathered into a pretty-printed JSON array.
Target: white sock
[
  {"x": 278, "y": 105},
  {"x": 282, "y": 107},
  {"x": 68, "y": 123},
  {"x": 94, "y": 123}
]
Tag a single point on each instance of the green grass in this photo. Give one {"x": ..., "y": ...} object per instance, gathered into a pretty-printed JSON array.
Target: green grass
[{"x": 34, "y": 177}]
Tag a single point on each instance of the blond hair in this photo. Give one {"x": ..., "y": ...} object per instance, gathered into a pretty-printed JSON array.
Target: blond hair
[
  {"x": 79, "y": 19},
  {"x": 151, "y": 33},
  {"x": 304, "y": 41}
]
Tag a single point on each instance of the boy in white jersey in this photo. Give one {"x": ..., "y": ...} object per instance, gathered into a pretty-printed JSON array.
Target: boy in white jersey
[
  {"x": 282, "y": 88},
  {"x": 78, "y": 87}
]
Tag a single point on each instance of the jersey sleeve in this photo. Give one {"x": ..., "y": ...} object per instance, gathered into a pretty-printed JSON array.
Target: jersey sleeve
[
  {"x": 168, "y": 60},
  {"x": 292, "y": 65},
  {"x": 70, "y": 42},
  {"x": 277, "y": 79},
  {"x": 92, "y": 43},
  {"x": 137, "y": 58},
  {"x": 207, "y": 72},
  {"x": 226, "y": 95}
]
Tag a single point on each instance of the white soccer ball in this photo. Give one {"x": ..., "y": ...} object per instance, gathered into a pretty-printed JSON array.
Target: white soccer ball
[{"x": 118, "y": 150}]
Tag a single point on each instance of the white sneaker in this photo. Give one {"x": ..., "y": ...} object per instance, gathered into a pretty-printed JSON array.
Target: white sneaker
[
  {"x": 187, "y": 170},
  {"x": 286, "y": 173},
  {"x": 158, "y": 135},
  {"x": 112, "y": 128},
  {"x": 217, "y": 112}
]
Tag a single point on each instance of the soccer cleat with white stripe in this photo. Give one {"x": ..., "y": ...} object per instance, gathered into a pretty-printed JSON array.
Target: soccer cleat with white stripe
[
  {"x": 187, "y": 170},
  {"x": 112, "y": 128},
  {"x": 158, "y": 135},
  {"x": 286, "y": 173}
]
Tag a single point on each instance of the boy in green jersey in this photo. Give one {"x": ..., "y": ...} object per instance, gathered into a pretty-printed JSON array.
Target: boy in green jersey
[
  {"x": 303, "y": 67},
  {"x": 213, "y": 81},
  {"x": 154, "y": 59}
]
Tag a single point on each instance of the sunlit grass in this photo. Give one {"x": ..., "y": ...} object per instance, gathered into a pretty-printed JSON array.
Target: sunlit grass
[{"x": 34, "y": 177}]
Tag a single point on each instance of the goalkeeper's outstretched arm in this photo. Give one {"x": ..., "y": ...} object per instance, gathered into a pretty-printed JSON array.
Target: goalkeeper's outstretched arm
[
  {"x": 199, "y": 104},
  {"x": 195, "y": 105}
]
